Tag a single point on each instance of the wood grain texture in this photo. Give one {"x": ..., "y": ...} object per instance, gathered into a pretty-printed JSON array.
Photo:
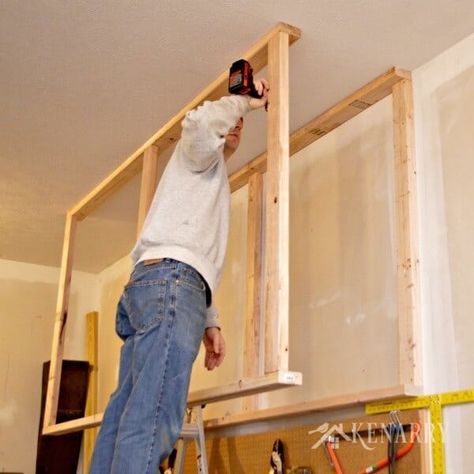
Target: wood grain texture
[
  {"x": 332, "y": 118},
  {"x": 74, "y": 425},
  {"x": 323, "y": 404},
  {"x": 92, "y": 348},
  {"x": 277, "y": 208},
  {"x": 243, "y": 387},
  {"x": 200, "y": 397},
  {"x": 59, "y": 332},
  {"x": 406, "y": 235},
  {"x": 170, "y": 133},
  {"x": 252, "y": 341},
  {"x": 296, "y": 409}
]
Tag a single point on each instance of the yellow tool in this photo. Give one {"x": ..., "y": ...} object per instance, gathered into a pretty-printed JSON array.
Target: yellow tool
[{"x": 435, "y": 404}]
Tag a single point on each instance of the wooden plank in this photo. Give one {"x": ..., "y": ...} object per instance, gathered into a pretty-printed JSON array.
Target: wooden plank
[
  {"x": 248, "y": 387},
  {"x": 92, "y": 321},
  {"x": 277, "y": 208},
  {"x": 406, "y": 235},
  {"x": 243, "y": 387},
  {"x": 91, "y": 422},
  {"x": 171, "y": 131},
  {"x": 252, "y": 341},
  {"x": 324, "y": 404},
  {"x": 74, "y": 425},
  {"x": 321, "y": 125},
  {"x": 348, "y": 108},
  {"x": 59, "y": 331},
  {"x": 148, "y": 184}
]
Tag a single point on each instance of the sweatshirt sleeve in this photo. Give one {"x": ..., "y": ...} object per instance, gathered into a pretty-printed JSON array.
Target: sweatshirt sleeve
[
  {"x": 212, "y": 318},
  {"x": 205, "y": 128}
]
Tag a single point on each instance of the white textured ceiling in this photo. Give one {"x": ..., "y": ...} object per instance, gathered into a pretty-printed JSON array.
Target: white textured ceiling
[{"x": 84, "y": 83}]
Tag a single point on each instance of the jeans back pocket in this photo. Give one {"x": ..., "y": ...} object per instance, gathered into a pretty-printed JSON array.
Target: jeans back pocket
[{"x": 145, "y": 303}]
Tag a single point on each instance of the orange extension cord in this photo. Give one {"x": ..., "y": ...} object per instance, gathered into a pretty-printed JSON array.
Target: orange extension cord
[{"x": 404, "y": 450}]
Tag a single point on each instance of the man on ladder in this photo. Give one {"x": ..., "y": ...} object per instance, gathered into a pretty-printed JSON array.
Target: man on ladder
[{"x": 165, "y": 309}]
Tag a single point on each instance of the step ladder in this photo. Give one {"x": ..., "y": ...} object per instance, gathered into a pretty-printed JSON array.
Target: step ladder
[{"x": 193, "y": 428}]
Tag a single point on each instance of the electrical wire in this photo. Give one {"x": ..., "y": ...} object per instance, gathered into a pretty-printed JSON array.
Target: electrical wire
[{"x": 403, "y": 451}]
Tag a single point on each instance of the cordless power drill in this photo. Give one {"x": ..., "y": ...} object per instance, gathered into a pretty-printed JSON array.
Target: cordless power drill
[{"x": 241, "y": 79}]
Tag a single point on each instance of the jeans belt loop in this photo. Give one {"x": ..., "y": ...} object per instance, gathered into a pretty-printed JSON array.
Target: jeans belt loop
[{"x": 152, "y": 261}]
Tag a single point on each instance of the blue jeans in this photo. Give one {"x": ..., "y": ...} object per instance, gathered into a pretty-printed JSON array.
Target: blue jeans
[{"x": 160, "y": 317}]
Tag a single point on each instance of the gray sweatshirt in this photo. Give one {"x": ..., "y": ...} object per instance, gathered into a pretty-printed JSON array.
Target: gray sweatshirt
[{"x": 188, "y": 218}]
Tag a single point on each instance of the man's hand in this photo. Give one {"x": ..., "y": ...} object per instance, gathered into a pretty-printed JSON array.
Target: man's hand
[
  {"x": 215, "y": 348},
  {"x": 262, "y": 86}
]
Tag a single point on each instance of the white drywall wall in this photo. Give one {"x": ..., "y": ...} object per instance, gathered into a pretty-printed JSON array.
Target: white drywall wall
[
  {"x": 27, "y": 310},
  {"x": 342, "y": 308},
  {"x": 444, "y": 120}
]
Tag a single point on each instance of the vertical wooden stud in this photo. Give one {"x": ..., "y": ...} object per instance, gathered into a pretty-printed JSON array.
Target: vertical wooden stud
[
  {"x": 252, "y": 353},
  {"x": 277, "y": 208},
  {"x": 406, "y": 235},
  {"x": 148, "y": 183},
  {"x": 92, "y": 344},
  {"x": 59, "y": 331}
]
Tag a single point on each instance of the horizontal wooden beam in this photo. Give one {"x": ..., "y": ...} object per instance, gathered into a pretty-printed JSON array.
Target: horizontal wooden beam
[
  {"x": 241, "y": 388},
  {"x": 171, "y": 131},
  {"x": 74, "y": 425},
  {"x": 189, "y": 429},
  {"x": 324, "y": 404},
  {"x": 320, "y": 126},
  {"x": 265, "y": 383}
]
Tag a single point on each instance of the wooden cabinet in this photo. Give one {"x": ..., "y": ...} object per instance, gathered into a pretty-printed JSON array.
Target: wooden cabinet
[{"x": 60, "y": 454}]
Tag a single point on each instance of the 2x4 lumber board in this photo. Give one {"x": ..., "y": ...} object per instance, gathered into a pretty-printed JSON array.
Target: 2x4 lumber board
[
  {"x": 332, "y": 118},
  {"x": 201, "y": 397},
  {"x": 252, "y": 353},
  {"x": 59, "y": 332},
  {"x": 324, "y": 404},
  {"x": 92, "y": 345},
  {"x": 277, "y": 208},
  {"x": 264, "y": 383},
  {"x": 406, "y": 234},
  {"x": 74, "y": 425},
  {"x": 171, "y": 131},
  {"x": 148, "y": 184},
  {"x": 189, "y": 429}
]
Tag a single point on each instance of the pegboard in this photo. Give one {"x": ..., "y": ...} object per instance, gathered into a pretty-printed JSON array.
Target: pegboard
[{"x": 250, "y": 454}]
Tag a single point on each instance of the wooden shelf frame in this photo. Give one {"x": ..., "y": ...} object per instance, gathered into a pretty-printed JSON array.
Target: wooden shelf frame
[
  {"x": 312, "y": 406},
  {"x": 272, "y": 51},
  {"x": 169, "y": 134},
  {"x": 241, "y": 388},
  {"x": 395, "y": 82}
]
